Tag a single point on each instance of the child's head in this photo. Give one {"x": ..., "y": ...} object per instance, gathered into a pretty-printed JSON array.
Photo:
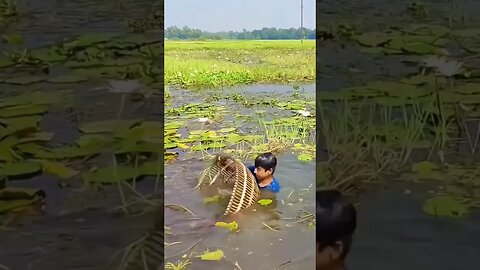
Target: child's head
[
  {"x": 336, "y": 222},
  {"x": 265, "y": 165}
]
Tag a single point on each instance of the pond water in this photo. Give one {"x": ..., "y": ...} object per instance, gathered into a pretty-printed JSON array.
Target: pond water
[
  {"x": 254, "y": 246},
  {"x": 394, "y": 232},
  {"x": 287, "y": 244},
  {"x": 77, "y": 230}
]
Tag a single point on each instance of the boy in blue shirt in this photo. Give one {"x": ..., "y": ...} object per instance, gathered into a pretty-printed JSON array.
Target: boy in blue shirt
[{"x": 263, "y": 170}]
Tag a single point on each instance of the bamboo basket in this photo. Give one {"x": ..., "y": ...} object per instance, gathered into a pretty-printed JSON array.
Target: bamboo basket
[{"x": 227, "y": 170}]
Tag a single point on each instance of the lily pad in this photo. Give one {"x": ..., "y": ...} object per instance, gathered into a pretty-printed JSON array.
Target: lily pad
[
  {"x": 372, "y": 39},
  {"x": 112, "y": 174},
  {"x": 67, "y": 79},
  {"x": 58, "y": 169},
  {"x": 108, "y": 126},
  {"x": 232, "y": 226},
  {"x": 212, "y": 199},
  {"x": 446, "y": 206},
  {"x": 23, "y": 110},
  {"x": 305, "y": 157},
  {"x": 212, "y": 256},
  {"x": 265, "y": 202},
  {"x": 17, "y": 193},
  {"x": 20, "y": 168},
  {"x": 25, "y": 80}
]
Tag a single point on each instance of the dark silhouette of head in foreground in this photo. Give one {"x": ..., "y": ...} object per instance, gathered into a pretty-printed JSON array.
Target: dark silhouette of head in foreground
[{"x": 336, "y": 222}]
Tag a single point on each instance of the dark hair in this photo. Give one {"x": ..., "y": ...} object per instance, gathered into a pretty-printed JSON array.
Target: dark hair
[
  {"x": 267, "y": 161},
  {"x": 335, "y": 220}
]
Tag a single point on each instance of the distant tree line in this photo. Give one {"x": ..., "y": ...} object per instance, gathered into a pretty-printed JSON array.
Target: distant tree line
[{"x": 174, "y": 32}]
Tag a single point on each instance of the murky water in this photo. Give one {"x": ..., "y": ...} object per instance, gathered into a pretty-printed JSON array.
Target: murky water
[
  {"x": 394, "y": 233},
  {"x": 77, "y": 230},
  {"x": 393, "y": 230},
  {"x": 254, "y": 246}
]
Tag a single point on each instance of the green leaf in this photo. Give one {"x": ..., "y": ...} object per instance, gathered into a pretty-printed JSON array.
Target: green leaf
[
  {"x": 112, "y": 174},
  {"x": 23, "y": 110},
  {"x": 212, "y": 199},
  {"x": 25, "y": 80},
  {"x": 58, "y": 169},
  {"x": 305, "y": 157},
  {"x": 447, "y": 206},
  {"x": 265, "y": 202},
  {"x": 372, "y": 39},
  {"x": 226, "y": 130},
  {"x": 212, "y": 256},
  {"x": 232, "y": 226},
  {"x": 17, "y": 193},
  {"x": 15, "y": 39},
  {"x": 108, "y": 126},
  {"x": 20, "y": 168}
]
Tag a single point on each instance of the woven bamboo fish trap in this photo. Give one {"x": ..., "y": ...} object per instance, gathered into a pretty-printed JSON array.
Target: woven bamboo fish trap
[{"x": 227, "y": 170}]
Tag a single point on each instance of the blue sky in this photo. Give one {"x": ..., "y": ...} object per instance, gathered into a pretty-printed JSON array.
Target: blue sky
[{"x": 234, "y": 15}]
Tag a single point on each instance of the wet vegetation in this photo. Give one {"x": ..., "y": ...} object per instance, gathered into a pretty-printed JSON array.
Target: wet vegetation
[
  {"x": 414, "y": 120},
  {"x": 80, "y": 111},
  {"x": 206, "y": 112}
]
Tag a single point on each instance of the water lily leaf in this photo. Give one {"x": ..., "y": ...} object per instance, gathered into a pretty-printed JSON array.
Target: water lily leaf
[
  {"x": 467, "y": 33},
  {"x": 469, "y": 88},
  {"x": 170, "y": 145},
  {"x": 212, "y": 256},
  {"x": 6, "y": 151},
  {"x": 20, "y": 168},
  {"x": 25, "y": 121},
  {"x": 15, "y": 39},
  {"x": 112, "y": 174},
  {"x": 58, "y": 169},
  {"x": 25, "y": 80},
  {"x": 226, "y": 130},
  {"x": 67, "y": 79},
  {"x": 305, "y": 157},
  {"x": 17, "y": 193},
  {"x": 141, "y": 148},
  {"x": 90, "y": 39},
  {"x": 234, "y": 138},
  {"x": 37, "y": 137},
  {"x": 232, "y": 226},
  {"x": 36, "y": 97},
  {"x": 427, "y": 170},
  {"x": 372, "y": 39},
  {"x": 108, "y": 126},
  {"x": 9, "y": 205},
  {"x": 446, "y": 206},
  {"x": 174, "y": 125},
  {"x": 212, "y": 199},
  {"x": 23, "y": 110},
  {"x": 6, "y": 62},
  {"x": 265, "y": 202},
  {"x": 420, "y": 48},
  {"x": 151, "y": 168},
  {"x": 261, "y": 147}
]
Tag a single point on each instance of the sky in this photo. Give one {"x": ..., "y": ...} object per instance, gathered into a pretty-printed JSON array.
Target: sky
[{"x": 235, "y": 15}]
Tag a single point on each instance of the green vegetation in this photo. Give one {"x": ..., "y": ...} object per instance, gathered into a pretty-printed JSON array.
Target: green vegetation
[
  {"x": 227, "y": 63},
  {"x": 421, "y": 127},
  {"x": 174, "y": 32}
]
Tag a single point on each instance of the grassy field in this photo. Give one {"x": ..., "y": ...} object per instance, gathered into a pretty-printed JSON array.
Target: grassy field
[{"x": 227, "y": 63}]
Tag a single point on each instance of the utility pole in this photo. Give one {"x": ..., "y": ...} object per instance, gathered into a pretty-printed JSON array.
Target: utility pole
[{"x": 301, "y": 21}]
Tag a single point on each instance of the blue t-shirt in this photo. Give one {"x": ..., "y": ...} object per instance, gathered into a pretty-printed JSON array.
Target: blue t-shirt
[{"x": 274, "y": 186}]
